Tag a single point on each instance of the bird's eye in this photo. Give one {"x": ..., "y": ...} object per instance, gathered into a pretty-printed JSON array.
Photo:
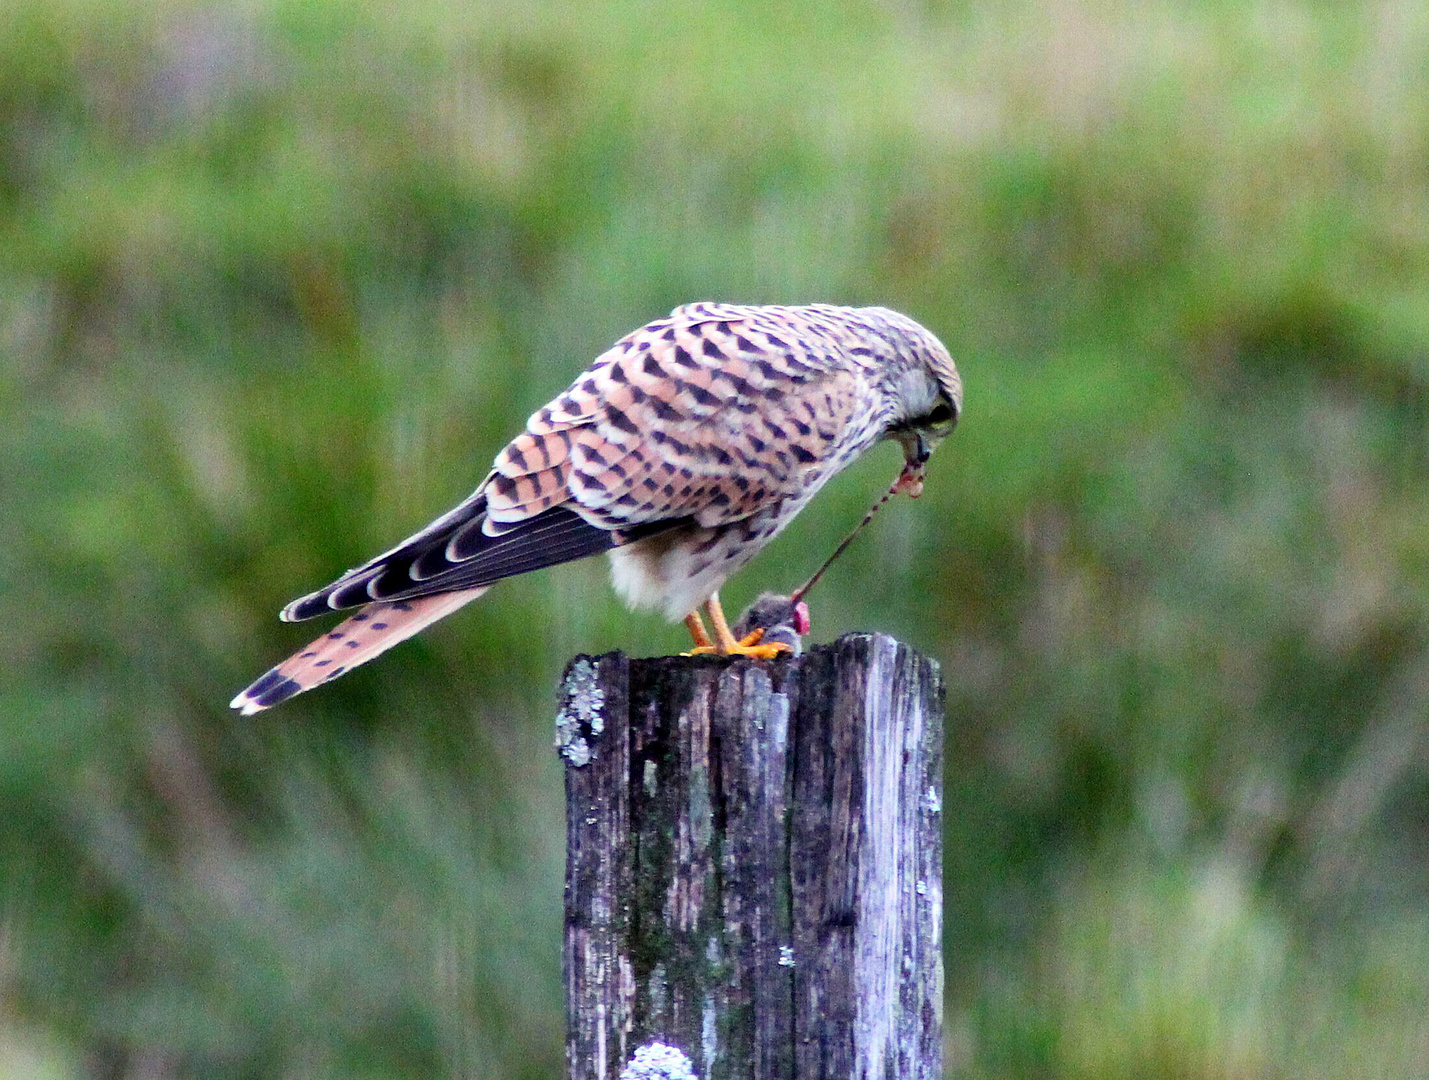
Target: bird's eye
[{"x": 941, "y": 414}]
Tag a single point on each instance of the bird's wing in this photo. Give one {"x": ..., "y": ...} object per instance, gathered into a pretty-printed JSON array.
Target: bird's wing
[{"x": 709, "y": 415}]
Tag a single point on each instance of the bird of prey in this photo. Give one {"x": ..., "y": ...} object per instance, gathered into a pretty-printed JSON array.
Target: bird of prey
[{"x": 682, "y": 451}]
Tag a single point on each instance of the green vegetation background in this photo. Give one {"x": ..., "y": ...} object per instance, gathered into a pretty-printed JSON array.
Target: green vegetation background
[{"x": 278, "y": 279}]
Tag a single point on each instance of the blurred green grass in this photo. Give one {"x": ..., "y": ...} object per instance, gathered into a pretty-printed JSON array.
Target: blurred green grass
[{"x": 276, "y": 282}]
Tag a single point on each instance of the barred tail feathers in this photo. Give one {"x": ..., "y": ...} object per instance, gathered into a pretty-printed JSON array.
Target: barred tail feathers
[{"x": 367, "y": 634}]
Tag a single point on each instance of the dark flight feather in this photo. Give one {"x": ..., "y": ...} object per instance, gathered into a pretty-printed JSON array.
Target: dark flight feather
[{"x": 454, "y": 553}]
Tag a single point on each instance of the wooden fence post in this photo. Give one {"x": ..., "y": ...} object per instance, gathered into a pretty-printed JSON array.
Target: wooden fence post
[{"x": 754, "y": 866}]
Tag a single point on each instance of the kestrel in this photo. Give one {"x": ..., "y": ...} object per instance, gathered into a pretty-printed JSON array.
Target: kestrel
[{"x": 682, "y": 451}]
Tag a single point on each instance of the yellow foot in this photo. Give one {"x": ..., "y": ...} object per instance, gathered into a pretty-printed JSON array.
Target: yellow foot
[{"x": 749, "y": 646}]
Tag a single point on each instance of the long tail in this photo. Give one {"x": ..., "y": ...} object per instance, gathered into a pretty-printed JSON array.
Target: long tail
[{"x": 371, "y": 632}]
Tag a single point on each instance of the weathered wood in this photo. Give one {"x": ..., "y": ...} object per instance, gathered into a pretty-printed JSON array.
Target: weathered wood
[{"x": 754, "y": 873}]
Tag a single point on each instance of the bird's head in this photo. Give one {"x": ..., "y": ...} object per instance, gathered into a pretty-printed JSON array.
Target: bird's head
[{"x": 925, "y": 388}]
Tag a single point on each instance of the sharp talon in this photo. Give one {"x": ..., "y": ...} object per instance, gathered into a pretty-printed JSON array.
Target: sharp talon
[
  {"x": 754, "y": 637},
  {"x": 744, "y": 648},
  {"x": 765, "y": 652},
  {"x": 725, "y": 643}
]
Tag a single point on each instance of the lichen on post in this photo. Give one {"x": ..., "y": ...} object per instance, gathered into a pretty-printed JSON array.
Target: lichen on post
[{"x": 754, "y": 871}]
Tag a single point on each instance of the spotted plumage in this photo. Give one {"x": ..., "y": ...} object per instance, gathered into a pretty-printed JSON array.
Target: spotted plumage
[{"x": 682, "y": 450}]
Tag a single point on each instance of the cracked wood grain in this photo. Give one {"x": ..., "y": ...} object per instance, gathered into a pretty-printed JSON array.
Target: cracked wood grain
[{"x": 754, "y": 863}]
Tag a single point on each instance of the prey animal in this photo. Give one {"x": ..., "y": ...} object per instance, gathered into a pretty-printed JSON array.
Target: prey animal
[
  {"x": 775, "y": 619},
  {"x": 681, "y": 451}
]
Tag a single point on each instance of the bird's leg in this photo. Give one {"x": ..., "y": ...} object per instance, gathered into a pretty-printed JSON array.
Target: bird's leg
[
  {"x": 725, "y": 643},
  {"x": 724, "y": 636},
  {"x": 696, "y": 627}
]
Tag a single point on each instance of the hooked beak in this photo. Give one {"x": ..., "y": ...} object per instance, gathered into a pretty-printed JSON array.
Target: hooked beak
[
  {"x": 916, "y": 448},
  {"x": 916, "y": 452}
]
